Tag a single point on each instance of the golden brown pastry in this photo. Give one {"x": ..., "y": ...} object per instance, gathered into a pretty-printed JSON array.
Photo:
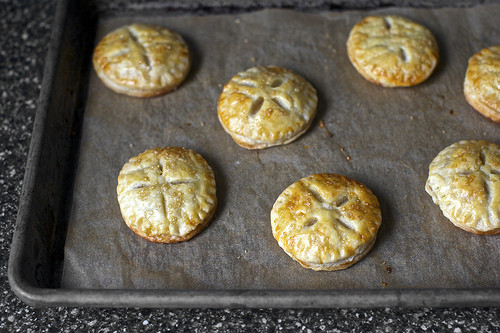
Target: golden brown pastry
[
  {"x": 266, "y": 106},
  {"x": 392, "y": 51},
  {"x": 167, "y": 195},
  {"x": 142, "y": 60},
  {"x": 482, "y": 82},
  {"x": 326, "y": 221},
  {"x": 464, "y": 180}
]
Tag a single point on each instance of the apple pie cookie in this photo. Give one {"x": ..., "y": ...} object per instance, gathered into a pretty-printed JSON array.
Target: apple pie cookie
[
  {"x": 142, "y": 60},
  {"x": 392, "y": 51},
  {"x": 464, "y": 181},
  {"x": 482, "y": 82},
  {"x": 266, "y": 106},
  {"x": 167, "y": 195},
  {"x": 326, "y": 221}
]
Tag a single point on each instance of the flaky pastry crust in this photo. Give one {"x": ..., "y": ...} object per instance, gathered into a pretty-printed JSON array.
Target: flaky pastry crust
[
  {"x": 326, "y": 221},
  {"x": 266, "y": 106},
  {"x": 142, "y": 60},
  {"x": 392, "y": 51},
  {"x": 464, "y": 181},
  {"x": 482, "y": 82},
  {"x": 167, "y": 195}
]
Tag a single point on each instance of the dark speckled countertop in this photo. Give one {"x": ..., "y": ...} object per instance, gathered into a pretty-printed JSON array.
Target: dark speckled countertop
[{"x": 25, "y": 29}]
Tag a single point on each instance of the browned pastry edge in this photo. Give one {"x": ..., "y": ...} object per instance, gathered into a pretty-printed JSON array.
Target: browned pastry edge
[{"x": 177, "y": 239}]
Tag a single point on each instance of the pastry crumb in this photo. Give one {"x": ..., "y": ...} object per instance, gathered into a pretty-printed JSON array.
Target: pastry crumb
[
  {"x": 323, "y": 126},
  {"x": 347, "y": 157}
]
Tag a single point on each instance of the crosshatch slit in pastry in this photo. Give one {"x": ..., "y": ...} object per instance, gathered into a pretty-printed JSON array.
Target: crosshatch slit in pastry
[{"x": 256, "y": 106}]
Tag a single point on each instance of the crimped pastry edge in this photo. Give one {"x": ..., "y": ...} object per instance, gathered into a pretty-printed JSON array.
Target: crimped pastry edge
[
  {"x": 474, "y": 101},
  {"x": 339, "y": 264},
  {"x": 436, "y": 200},
  {"x": 254, "y": 144},
  {"x": 137, "y": 91},
  {"x": 165, "y": 238},
  {"x": 386, "y": 83}
]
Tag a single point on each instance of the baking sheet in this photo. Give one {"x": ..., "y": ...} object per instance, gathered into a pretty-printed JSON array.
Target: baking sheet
[{"x": 382, "y": 137}]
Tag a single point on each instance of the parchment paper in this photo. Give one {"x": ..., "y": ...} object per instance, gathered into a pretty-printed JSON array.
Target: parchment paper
[{"x": 383, "y": 137}]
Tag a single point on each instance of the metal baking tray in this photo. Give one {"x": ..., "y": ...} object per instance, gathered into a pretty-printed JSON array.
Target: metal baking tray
[{"x": 71, "y": 247}]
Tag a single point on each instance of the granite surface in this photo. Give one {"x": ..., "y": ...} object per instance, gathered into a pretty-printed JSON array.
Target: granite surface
[{"x": 25, "y": 27}]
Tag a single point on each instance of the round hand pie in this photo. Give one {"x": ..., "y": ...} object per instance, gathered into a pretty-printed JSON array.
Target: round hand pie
[
  {"x": 464, "y": 180},
  {"x": 392, "y": 51},
  {"x": 326, "y": 221},
  {"x": 167, "y": 195},
  {"x": 142, "y": 60},
  {"x": 266, "y": 106},
  {"x": 482, "y": 82}
]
